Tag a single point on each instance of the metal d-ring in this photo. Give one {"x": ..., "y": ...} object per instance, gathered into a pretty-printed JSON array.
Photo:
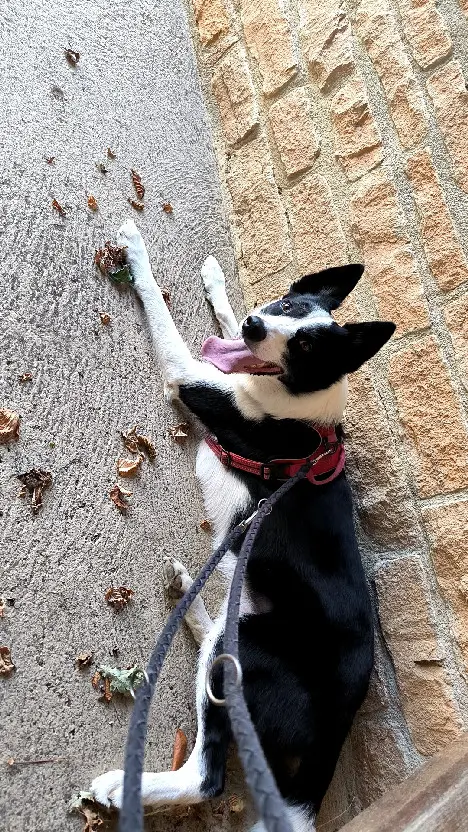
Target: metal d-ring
[
  {"x": 146, "y": 678},
  {"x": 221, "y": 658}
]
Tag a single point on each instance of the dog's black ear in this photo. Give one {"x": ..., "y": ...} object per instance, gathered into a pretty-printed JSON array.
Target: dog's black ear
[
  {"x": 364, "y": 341},
  {"x": 333, "y": 285}
]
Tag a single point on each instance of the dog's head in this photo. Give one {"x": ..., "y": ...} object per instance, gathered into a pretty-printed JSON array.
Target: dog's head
[{"x": 298, "y": 334}]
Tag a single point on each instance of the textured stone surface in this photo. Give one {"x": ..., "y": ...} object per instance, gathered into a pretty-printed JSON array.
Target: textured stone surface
[
  {"x": 383, "y": 502},
  {"x": 327, "y": 40},
  {"x": 377, "y": 224},
  {"x": 456, "y": 315},
  {"x": 441, "y": 243},
  {"x": 434, "y": 434},
  {"x": 135, "y": 89},
  {"x": 235, "y": 95},
  {"x": 212, "y": 18},
  {"x": 318, "y": 237},
  {"x": 382, "y": 763},
  {"x": 268, "y": 36},
  {"x": 447, "y": 527},
  {"x": 294, "y": 131},
  {"x": 426, "y": 695},
  {"x": 425, "y": 29},
  {"x": 259, "y": 216},
  {"x": 450, "y": 97},
  {"x": 358, "y": 145},
  {"x": 377, "y": 26}
]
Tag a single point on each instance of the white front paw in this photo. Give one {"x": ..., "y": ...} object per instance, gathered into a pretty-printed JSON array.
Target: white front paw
[
  {"x": 212, "y": 276},
  {"x": 129, "y": 236},
  {"x": 108, "y": 788}
]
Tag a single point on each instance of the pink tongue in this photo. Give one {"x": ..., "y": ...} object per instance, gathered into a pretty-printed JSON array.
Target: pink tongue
[{"x": 234, "y": 357}]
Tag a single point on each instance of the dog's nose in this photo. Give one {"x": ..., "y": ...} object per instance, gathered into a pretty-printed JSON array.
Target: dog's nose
[{"x": 253, "y": 328}]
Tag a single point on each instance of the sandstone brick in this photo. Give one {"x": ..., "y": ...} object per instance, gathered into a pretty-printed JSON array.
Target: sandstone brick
[
  {"x": 268, "y": 36},
  {"x": 327, "y": 40},
  {"x": 259, "y": 216},
  {"x": 212, "y": 19},
  {"x": 385, "y": 509},
  {"x": 447, "y": 527},
  {"x": 379, "y": 750},
  {"x": 358, "y": 144},
  {"x": 441, "y": 243},
  {"x": 425, "y": 31},
  {"x": 436, "y": 441},
  {"x": 426, "y": 694},
  {"x": 318, "y": 237},
  {"x": 456, "y": 315},
  {"x": 267, "y": 288},
  {"x": 294, "y": 132},
  {"x": 377, "y": 224},
  {"x": 377, "y": 27},
  {"x": 450, "y": 97},
  {"x": 235, "y": 95}
]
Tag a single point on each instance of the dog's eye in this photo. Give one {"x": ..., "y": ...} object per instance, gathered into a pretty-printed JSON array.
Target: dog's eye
[
  {"x": 286, "y": 305},
  {"x": 305, "y": 345}
]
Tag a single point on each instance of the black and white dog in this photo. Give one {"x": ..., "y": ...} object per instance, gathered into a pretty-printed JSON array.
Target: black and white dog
[{"x": 306, "y": 634}]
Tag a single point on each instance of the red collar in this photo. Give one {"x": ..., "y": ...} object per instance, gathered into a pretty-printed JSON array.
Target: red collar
[{"x": 331, "y": 463}]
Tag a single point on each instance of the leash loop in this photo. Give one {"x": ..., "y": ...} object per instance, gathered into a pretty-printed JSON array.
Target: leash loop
[{"x": 218, "y": 660}]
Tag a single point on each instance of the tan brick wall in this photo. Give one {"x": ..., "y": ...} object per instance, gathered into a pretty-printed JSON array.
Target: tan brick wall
[{"x": 341, "y": 129}]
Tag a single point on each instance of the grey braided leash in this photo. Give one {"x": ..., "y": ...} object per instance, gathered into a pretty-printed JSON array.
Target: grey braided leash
[{"x": 259, "y": 777}]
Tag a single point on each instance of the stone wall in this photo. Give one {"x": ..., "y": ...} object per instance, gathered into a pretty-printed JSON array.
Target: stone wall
[{"x": 342, "y": 134}]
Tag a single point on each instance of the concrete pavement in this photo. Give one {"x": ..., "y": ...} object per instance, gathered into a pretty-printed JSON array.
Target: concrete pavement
[{"x": 135, "y": 89}]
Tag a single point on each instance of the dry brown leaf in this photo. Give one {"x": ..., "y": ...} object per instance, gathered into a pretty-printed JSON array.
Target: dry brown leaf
[
  {"x": 25, "y": 377},
  {"x": 138, "y": 206},
  {"x": 166, "y": 297},
  {"x": 179, "y": 433},
  {"x": 50, "y": 159},
  {"x": 136, "y": 443},
  {"x": 6, "y": 664},
  {"x": 236, "y": 804},
  {"x": 9, "y": 425},
  {"x": 111, "y": 153},
  {"x": 136, "y": 179},
  {"x": 92, "y": 203},
  {"x": 96, "y": 680},
  {"x": 101, "y": 167},
  {"x": 118, "y": 496},
  {"x": 205, "y": 526},
  {"x": 83, "y": 660},
  {"x": 129, "y": 467},
  {"x": 72, "y": 56},
  {"x": 93, "y": 820},
  {"x": 167, "y": 207},
  {"x": 180, "y": 750},
  {"x": 105, "y": 318},
  {"x": 35, "y": 482},
  {"x": 118, "y": 597},
  {"x": 145, "y": 444},
  {"x": 59, "y": 208},
  {"x": 112, "y": 261}
]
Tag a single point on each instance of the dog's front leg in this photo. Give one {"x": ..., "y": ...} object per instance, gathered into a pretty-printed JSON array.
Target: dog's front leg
[{"x": 177, "y": 364}]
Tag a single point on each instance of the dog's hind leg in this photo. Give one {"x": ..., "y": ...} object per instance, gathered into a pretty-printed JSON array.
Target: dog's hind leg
[
  {"x": 177, "y": 582},
  {"x": 215, "y": 290},
  {"x": 202, "y": 776}
]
